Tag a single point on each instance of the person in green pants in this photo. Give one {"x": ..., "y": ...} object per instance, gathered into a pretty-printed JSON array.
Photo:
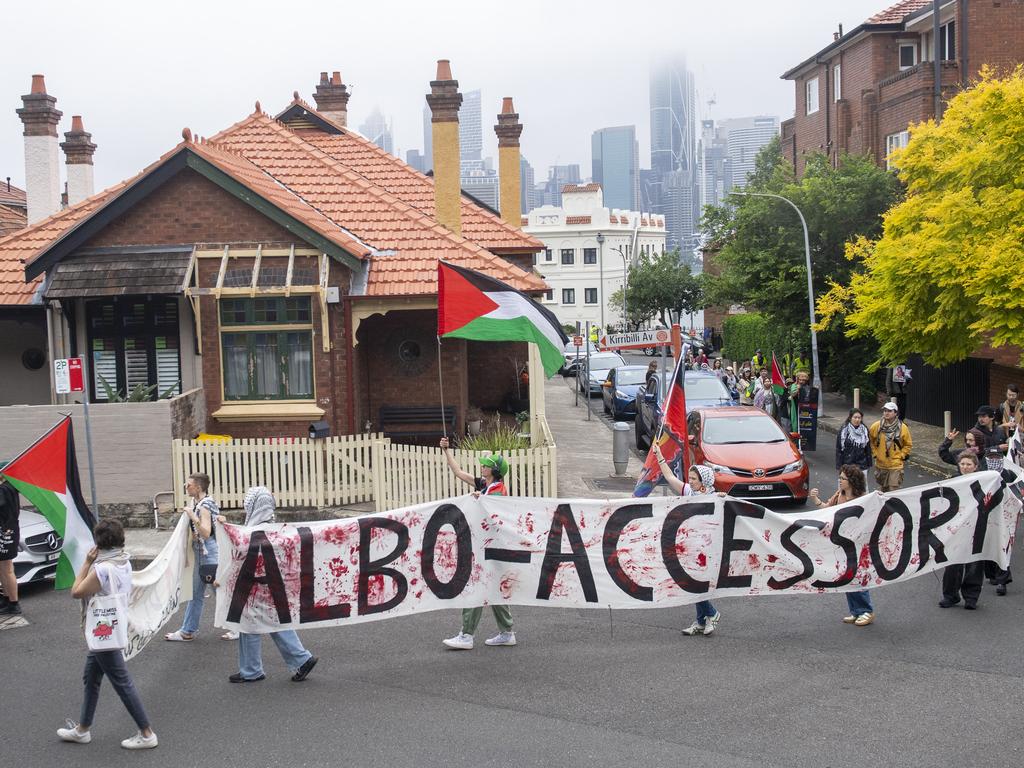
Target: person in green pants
[{"x": 493, "y": 470}]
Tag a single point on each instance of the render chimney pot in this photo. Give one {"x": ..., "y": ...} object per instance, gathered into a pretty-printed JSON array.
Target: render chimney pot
[
  {"x": 331, "y": 97},
  {"x": 444, "y": 101},
  {"x": 508, "y": 130},
  {"x": 444, "y": 69},
  {"x": 40, "y": 116},
  {"x": 78, "y": 151},
  {"x": 835, "y": 36}
]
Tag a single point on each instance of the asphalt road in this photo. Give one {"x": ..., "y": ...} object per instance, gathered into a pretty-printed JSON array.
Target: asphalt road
[{"x": 782, "y": 683}]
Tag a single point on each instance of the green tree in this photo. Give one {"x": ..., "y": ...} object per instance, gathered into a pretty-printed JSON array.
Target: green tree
[
  {"x": 761, "y": 247},
  {"x": 946, "y": 275},
  {"x": 659, "y": 286}
]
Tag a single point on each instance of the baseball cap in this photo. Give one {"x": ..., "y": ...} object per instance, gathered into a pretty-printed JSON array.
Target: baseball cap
[
  {"x": 890, "y": 407},
  {"x": 496, "y": 461}
]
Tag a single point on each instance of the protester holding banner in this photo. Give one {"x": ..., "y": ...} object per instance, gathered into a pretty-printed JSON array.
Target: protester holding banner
[
  {"x": 963, "y": 579},
  {"x": 259, "y": 509},
  {"x": 852, "y": 486},
  {"x": 493, "y": 470},
  {"x": 702, "y": 481},
  {"x": 890, "y": 447},
  {"x": 202, "y": 517},
  {"x": 107, "y": 571}
]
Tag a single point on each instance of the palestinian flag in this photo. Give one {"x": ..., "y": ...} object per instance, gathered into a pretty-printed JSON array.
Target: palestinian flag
[
  {"x": 671, "y": 437},
  {"x": 47, "y": 475},
  {"x": 471, "y": 305},
  {"x": 778, "y": 382}
]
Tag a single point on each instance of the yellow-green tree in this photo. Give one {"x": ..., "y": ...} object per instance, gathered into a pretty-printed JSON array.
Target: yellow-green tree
[{"x": 948, "y": 271}]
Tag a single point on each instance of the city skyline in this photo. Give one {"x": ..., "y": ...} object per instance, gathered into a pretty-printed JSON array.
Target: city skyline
[{"x": 561, "y": 95}]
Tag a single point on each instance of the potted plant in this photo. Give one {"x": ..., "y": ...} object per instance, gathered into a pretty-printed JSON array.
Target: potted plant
[
  {"x": 474, "y": 420},
  {"x": 523, "y": 418}
]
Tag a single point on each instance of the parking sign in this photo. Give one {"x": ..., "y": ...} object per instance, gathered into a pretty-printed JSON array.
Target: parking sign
[{"x": 67, "y": 375}]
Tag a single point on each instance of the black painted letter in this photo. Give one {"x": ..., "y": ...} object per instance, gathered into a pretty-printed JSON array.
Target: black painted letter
[
  {"x": 448, "y": 514},
  {"x": 553, "y": 557},
  {"x": 619, "y": 519},
  {"x": 926, "y": 540},
  {"x": 730, "y": 544},
  {"x": 892, "y": 507},
  {"x": 368, "y": 567},
  {"x": 848, "y": 547},
  {"x": 791, "y": 546},
  {"x": 308, "y": 609},
  {"x": 673, "y": 522},
  {"x": 247, "y": 579}
]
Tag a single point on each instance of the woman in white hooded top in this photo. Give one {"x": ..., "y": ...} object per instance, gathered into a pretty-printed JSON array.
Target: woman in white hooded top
[{"x": 259, "y": 509}]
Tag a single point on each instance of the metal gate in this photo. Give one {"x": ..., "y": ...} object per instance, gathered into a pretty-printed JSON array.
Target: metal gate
[{"x": 960, "y": 388}]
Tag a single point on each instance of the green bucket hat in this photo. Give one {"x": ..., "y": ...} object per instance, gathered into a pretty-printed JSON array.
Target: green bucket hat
[{"x": 496, "y": 461}]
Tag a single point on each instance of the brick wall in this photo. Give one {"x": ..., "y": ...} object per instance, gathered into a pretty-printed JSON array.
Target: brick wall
[
  {"x": 188, "y": 414},
  {"x": 995, "y": 31},
  {"x": 191, "y": 209},
  {"x": 492, "y": 379}
]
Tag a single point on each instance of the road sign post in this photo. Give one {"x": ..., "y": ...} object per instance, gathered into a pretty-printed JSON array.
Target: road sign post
[{"x": 69, "y": 377}]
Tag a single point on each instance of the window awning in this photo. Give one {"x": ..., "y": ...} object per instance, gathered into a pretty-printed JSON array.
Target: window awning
[{"x": 120, "y": 272}]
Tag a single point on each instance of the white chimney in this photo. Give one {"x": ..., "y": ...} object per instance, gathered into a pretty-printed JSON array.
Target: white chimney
[
  {"x": 78, "y": 149},
  {"x": 42, "y": 162}
]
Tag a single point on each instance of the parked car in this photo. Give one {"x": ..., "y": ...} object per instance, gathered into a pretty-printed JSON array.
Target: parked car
[
  {"x": 752, "y": 457},
  {"x": 590, "y": 381},
  {"x": 38, "y": 550},
  {"x": 570, "y": 354},
  {"x": 620, "y": 388},
  {"x": 703, "y": 390}
]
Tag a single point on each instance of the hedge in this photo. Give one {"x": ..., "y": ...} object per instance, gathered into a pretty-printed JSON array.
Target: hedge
[{"x": 742, "y": 334}]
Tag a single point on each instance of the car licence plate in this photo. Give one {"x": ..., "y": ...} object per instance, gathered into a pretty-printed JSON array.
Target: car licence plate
[
  {"x": 54, "y": 556},
  {"x": 766, "y": 487}
]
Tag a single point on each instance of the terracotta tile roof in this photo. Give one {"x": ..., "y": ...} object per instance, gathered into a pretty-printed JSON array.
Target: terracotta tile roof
[
  {"x": 11, "y": 219},
  {"x": 570, "y": 188},
  {"x": 12, "y": 195},
  {"x": 386, "y": 171},
  {"x": 577, "y": 219},
  {"x": 896, "y": 13},
  {"x": 409, "y": 242}
]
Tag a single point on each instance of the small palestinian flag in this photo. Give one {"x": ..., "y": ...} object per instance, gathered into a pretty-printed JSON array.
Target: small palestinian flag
[
  {"x": 778, "y": 382},
  {"x": 471, "y": 305},
  {"x": 47, "y": 475}
]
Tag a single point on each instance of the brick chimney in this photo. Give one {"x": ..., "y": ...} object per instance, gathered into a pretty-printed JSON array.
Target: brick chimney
[
  {"x": 331, "y": 98},
  {"x": 508, "y": 130},
  {"x": 78, "y": 149},
  {"x": 40, "y": 116},
  {"x": 444, "y": 100}
]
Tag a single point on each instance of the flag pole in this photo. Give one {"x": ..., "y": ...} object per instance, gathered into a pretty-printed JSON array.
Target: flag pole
[{"x": 440, "y": 385}]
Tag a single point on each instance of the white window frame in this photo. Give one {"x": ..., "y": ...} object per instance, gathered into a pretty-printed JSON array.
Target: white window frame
[
  {"x": 950, "y": 55},
  {"x": 573, "y": 292},
  {"x": 900, "y": 45},
  {"x": 893, "y": 142},
  {"x": 811, "y": 88},
  {"x": 549, "y": 255},
  {"x": 837, "y": 82},
  {"x": 586, "y": 292}
]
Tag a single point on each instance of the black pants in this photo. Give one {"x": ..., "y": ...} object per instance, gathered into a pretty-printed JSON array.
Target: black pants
[
  {"x": 963, "y": 579},
  {"x": 997, "y": 574}
]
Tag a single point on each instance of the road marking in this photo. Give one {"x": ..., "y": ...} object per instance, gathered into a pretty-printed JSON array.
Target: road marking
[{"x": 12, "y": 622}]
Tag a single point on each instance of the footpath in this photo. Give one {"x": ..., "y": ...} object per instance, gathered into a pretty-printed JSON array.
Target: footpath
[
  {"x": 926, "y": 438},
  {"x": 584, "y": 470}
]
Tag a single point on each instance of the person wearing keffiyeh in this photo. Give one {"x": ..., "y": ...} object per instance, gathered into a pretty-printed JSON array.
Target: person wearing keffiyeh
[
  {"x": 890, "y": 446},
  {"x": 852, "y": 442}
]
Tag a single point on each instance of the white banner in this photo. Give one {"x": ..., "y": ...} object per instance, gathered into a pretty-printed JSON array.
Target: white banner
[
  {"x": 159, "y": 588},
  {"x": 632, "y": 553}
]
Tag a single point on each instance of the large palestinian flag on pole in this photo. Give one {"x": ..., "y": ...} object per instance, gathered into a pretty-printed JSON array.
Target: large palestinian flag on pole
[
  {"x": 47, "y": 475},
  {"x": 471, "y": 305},
  {"x": 671, "y": 437}
]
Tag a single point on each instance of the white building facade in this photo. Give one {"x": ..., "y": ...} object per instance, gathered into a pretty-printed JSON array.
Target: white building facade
[{"x": 589, "y": 250}]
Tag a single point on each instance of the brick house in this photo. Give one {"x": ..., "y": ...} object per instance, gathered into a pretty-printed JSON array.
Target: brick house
[
  {"x": 286, "y": 266},
  {"x": 861, "y": 93}
]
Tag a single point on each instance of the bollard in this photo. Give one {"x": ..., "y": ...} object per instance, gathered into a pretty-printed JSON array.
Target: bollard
[
  {"x": 620, "y": 447},
  {"x": 947, "y": 421},
  {"x": 856, "y": 397}
]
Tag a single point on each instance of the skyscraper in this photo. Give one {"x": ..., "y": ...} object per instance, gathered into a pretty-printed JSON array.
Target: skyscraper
[
  {"x": 673, "y": 186},
  {"x": 428, "y": 141},
  {"x": 527, "y": 192},
  {"x": 471, "y": 137},
  {"x": 415, "y": 159},
  {"x": 558, "y": 177},
  {"x": 377, "y": 129},
  {"x": 615, "y": 155},
  {"x": 745, "y": 137},
  {"x": 713, "y": 164}
]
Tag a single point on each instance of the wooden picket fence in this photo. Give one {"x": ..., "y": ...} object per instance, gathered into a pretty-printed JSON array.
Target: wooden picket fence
[{"x": 349, "y": 469}]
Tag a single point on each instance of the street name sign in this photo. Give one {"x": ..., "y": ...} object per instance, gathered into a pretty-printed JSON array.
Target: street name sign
[{"x": 637, "y": 339}]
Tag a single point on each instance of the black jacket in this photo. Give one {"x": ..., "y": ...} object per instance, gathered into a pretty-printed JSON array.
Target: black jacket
[
  {"x": 9, "y": 507},
  {"x": 849, "y": 453}
]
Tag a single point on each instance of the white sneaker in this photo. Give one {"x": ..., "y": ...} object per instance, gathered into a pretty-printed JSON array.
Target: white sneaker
[
  {"x": 712, "y": 623},
  {"x": 72, "y": 734},
  {"x": 461, "y": 642},
  {"x": 502, "y": 638},
  {"x": 694, "y": 629},
  {"x": 138, "y": 741}
]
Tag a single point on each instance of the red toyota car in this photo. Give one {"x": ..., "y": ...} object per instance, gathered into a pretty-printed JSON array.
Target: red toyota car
[{"x": 751, "y": 456}]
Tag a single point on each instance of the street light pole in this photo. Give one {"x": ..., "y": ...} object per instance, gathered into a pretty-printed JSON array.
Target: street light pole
[
  {"x": 810, "y": 291},
  {"x": 600, "y": 275},
  {"x": 625, "y": 285}
]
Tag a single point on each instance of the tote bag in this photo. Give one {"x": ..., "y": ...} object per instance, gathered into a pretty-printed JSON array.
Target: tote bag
[{"x": 106, "y": 622}]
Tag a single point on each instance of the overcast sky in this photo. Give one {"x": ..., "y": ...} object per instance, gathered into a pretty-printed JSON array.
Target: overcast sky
[{"x": 138, "y": 72}]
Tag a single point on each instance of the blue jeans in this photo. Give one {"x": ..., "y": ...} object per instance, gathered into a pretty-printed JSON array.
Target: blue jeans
[
  {"x": 111, "y": 664},
  {"x": 194, "y": 607},
  {"x": 705, "y": 610},
  {"x": 250, "y": 653},
  {"x": 859, "y": 602}
]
